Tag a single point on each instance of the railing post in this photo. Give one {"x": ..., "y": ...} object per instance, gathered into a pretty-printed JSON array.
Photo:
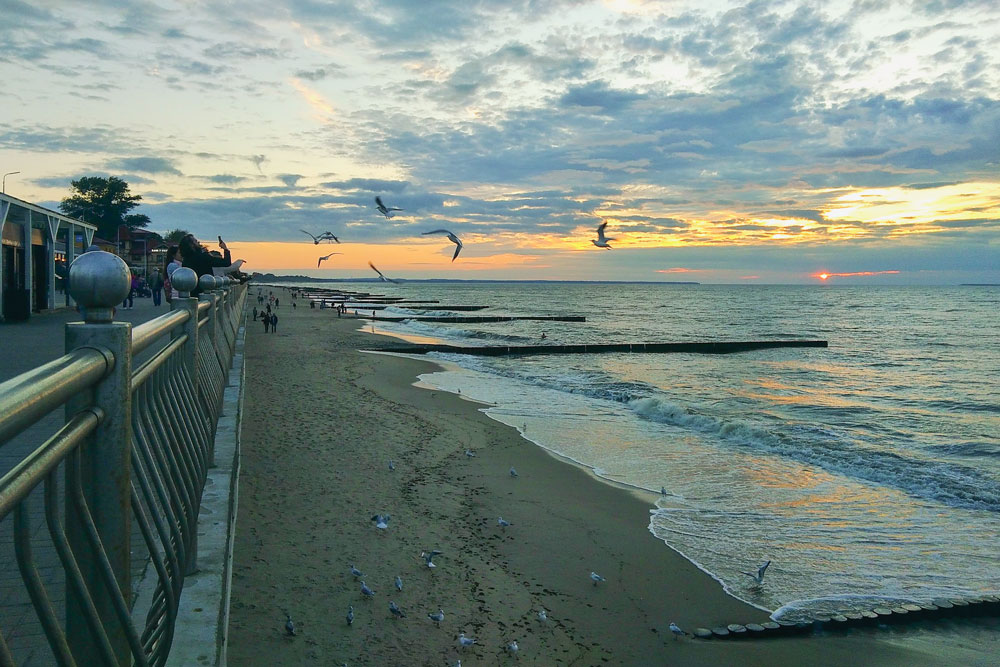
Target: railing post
[
  {"x": 184, "y": 280},
  {"x": 207, "y": 284},
  {"x": 98, "y": 281}
]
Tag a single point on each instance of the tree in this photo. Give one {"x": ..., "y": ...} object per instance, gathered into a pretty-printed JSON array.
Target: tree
[
  {"x": 104, "y": 202},
  {"x": 175, "y": 235}
]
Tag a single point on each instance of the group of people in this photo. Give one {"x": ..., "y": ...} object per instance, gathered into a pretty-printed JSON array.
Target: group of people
[
  {"x": 193, "y": 255},
  {"x": 269, "y": 319}
]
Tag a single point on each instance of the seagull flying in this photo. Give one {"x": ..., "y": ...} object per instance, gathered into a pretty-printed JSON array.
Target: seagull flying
[
  {"x": 326, "y": 257},
  {"x": 356, "y": 572},
  {"x": 464, "y": 641},
  {"x": 759, "y": 577},
  {"x": 289, "y": 625},
  {"x": 387, "y": 211},
  {"x": 513, "y": 473},
  {"x": 601, "y": 241},
  {"x": 350, "y": 614},
  {"x": 396, "y": 611},
  {"x": 367, "y": 592},
  {"x": 428, "y": 557},
  {"x": 596, "y": 578},
  {"x": 502, "y": 522},
  {"x": 381, "y": 522},
  {"x": 451, "y": 237},
  {"x": 399, "y": 583},
  {"x": 384, "y": 279},
  {"x": 325, "y": 236},
  {"x": 674, "y": 628},
  {"x": 438, "y": 617}
]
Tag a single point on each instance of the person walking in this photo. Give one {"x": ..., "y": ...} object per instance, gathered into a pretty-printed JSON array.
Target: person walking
[
  {"x": 155, "y": 286},
  {"x": 267, "y": 322},
  {"x": 255, "y": 313},
  {"x": 130, "y": 299},
  {"x": 274, "y": 322}
]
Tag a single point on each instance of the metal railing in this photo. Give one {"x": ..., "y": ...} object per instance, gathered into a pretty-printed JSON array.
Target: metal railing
[{"x": 135, "y": 450}]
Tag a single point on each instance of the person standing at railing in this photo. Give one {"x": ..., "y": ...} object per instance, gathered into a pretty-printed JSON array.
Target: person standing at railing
[
  {"x": 133, "y": 286},
  {"x": 171, "y": 264},
  {"x": 200, "y": 260}
]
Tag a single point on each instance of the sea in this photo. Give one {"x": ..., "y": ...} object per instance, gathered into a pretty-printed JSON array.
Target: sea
[{"x": 867, "y": 472}]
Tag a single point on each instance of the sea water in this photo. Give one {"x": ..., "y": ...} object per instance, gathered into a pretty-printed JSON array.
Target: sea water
[{"x": 866, "y": 472}]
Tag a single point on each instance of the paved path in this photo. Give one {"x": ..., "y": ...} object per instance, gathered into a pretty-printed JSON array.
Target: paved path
[{"x": 23, "y": 346}]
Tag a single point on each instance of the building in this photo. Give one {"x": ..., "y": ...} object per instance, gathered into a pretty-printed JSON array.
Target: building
[{"x": 38, "y": 245}]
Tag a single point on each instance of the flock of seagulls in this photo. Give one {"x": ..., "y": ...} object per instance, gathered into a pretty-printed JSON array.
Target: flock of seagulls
[{"x": 389, "y": 211}]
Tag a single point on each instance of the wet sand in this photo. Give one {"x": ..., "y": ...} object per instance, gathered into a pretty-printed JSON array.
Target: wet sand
[{"x": 321, "y": 422}]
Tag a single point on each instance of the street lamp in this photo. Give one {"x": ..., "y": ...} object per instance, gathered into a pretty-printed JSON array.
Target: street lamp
[{"x": 4, "y": 183}]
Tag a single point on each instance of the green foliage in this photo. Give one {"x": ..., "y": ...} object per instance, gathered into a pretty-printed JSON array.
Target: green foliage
[
  {"x": 175, "y": 235},
  {"x": 104, "y": 202}
]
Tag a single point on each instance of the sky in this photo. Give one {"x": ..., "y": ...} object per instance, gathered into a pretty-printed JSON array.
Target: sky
[{"x": 721, "y": 142}]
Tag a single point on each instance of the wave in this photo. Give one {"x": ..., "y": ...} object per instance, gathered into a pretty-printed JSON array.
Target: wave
[{"x": 952, "y": 484}]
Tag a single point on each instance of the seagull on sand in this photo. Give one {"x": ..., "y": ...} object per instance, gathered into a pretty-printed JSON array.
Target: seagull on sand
[
  {"x": 663, "y": 490},
  {"x": 381, "y": 522},
  {"x": 502, "y": 522},
  {"x": 451, "y": 237},
  {"x": 396, "y": 611},
  {"x": 350, "y": 614},
  {"x": 464, "y": 641},
  {"x": 428, "y": 557},
  {"x": 513, "y": 473},
  {"x": 325, "y": 236},
  {"x": 543, "y": 616},
  {"x": 469, "y": 453},
  {"x": 392, "y": 466},
  {"x": 367, "y": 592},
  {"x": 326, "y": 257},
  {"x": 399, "y": 583},
  {"x": 380, "y": 275},
  {"x": 759, "y": 577},
  {"x": 602, "y": 241},
  {"x": 356, "y": 572},
  {"x": 596, "y": 578},
  {"x": 512, "y": 647},
  {"x": 387, "y": 211},
  {"x": 289, "y": 625},
  {"x": 674, "y": 628},
  {"x": 438, "y": 617}
]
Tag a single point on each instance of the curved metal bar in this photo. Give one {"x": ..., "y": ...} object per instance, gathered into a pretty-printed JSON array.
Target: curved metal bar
[
  {"x": 147, "y": 332},
  {"x": 30, "y": 396},
  {"x": 203, "y": 306},
  {"x": 202, "y": 322},
  {"x": 26, "y": 475},
  {"x": 143, "y": 373}
]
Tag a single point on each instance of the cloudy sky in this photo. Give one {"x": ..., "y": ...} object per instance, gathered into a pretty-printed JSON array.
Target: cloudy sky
[{"x": 721, "y": 141}]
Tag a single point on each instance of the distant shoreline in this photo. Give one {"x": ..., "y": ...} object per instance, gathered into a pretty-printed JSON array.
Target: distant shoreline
[{"x": 270, "y": 277}]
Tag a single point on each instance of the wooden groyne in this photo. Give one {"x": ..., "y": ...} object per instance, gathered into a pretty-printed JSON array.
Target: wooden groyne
[
  {"x": 471, "y": 319},
  {"x": 975, "y": 607},
  {"x": 708, "y": 347},
  {"x": 453, "y": 308}
]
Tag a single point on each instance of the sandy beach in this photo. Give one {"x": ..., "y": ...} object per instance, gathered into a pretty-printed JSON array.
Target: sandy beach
[{"x": 322, "y": 421}]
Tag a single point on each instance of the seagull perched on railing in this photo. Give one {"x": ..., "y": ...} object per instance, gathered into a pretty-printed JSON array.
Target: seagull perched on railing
[
  {"x": 384, "y": 279},
  {"x": 326, "y": 257},
  {"x": 602, "y": 241},
  {"x": 325, "y": 236},
  {"x": 759, "y": 577},
  {"x": 383, "y": 209},
  {"x": 451, "y": 237}
]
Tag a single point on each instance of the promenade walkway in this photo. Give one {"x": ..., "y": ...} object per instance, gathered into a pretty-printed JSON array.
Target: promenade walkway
[{"x": 23, "y": 346}]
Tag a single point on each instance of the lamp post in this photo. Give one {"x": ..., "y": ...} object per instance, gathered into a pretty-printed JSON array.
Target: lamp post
[{"x": 3, "y": 185}]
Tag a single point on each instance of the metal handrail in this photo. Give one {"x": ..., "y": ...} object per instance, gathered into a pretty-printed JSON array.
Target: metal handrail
[
  {"x": 30, "y": 396},
  {"x": 171, "y": 402},
  {"x": 146, "y": 333}
]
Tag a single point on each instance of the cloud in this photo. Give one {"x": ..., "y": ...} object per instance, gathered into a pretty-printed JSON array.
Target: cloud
[{"x": 146, "y": 165}]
